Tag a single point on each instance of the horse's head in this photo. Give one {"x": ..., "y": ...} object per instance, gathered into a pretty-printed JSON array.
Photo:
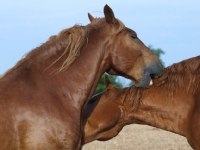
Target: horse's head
[
  {"x": 105, "y": 100},
  {"x": 127, "y": 54},
  {"x": 103, "y": 113}
]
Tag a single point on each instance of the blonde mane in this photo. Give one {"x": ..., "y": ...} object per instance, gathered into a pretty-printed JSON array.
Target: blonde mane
[
  {"x": 77, "y": 36},
  {"x": 72, "y": 38}
]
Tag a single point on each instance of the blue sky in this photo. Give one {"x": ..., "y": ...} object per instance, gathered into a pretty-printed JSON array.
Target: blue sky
[{"x": 172, "y": 25}]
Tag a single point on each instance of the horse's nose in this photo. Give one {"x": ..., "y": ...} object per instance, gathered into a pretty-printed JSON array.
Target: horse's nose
[{"x": 155, "y": 68}]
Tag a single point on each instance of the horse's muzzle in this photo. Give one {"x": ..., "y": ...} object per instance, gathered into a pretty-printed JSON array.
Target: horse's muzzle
[{"x": 154, "y": 69}]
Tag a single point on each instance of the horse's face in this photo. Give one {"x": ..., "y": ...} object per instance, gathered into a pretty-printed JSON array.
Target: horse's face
[
  {"x": 139, "y": 62},
  {"x": 102, "y": 114},
  {"x": 127, "y": 55},
  {"x": 103, "y": 102}
]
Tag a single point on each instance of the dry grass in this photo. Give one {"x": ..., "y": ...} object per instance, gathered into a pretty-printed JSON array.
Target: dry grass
[{"x": 140, "y": 137}]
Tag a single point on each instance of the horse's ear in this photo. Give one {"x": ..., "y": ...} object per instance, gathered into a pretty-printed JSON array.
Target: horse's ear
[
  {"x": 109, "y": 85},
  {"x": 90, "y": 17},
  {"x": 109, "y": 15}
]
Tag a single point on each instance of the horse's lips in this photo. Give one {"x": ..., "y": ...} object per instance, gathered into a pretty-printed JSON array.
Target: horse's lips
[{"x": 150, "y": 82}]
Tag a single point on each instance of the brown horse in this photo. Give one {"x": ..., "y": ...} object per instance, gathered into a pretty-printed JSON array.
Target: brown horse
[
  {"x": 40, "y": 104},
  {"x": 172, "y": 103}
]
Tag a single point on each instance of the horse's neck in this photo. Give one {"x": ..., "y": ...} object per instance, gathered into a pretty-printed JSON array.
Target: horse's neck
[
  {"x": 158, "y": 110},
  {"x": 79, "y": 81}
]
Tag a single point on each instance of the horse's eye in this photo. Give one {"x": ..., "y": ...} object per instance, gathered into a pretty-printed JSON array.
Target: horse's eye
[{"x": 134, "y": 36}]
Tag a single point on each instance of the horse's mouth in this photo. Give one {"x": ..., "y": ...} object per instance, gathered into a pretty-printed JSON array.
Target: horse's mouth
[
  {"x": 154, "y": 76},
  {"x": 146, "y": 81}
]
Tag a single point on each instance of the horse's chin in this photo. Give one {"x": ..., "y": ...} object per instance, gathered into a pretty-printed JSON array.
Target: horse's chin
[{"x": 145, "y": 82}]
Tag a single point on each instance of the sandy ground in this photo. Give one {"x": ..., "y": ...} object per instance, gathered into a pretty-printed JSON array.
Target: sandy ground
[{"x": 141, "y": 137}]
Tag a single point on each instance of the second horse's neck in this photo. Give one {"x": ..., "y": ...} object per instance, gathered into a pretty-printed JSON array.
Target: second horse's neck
[{"x": 159, "y": 110}]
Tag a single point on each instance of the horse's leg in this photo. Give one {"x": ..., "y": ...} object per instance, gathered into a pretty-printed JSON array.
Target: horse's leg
[{"x": 72, "y": 137}]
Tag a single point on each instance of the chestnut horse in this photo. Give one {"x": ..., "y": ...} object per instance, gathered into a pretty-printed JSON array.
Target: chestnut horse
[
  {"x": 40, "y": 104},
  {"x": 172, "y": 103}
]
